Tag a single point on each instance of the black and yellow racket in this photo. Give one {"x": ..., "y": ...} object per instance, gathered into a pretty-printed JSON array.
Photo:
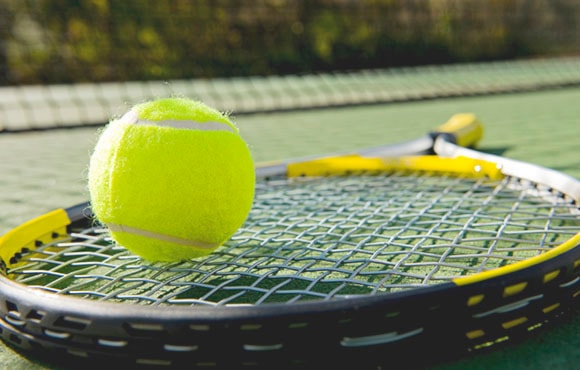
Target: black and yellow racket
[{"x": 419, "y": 248}]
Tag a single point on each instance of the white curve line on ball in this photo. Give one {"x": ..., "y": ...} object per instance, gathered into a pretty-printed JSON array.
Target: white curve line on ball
[
  {"x": 133, "y": 118},
  {"x": 161, "y": 237}
]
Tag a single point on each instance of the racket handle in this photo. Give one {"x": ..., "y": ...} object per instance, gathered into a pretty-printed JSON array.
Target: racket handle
[{"x": 463, "y": 129}]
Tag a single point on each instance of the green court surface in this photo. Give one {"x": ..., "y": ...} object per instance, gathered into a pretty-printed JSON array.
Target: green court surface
[{"x": 47, "y": 169}]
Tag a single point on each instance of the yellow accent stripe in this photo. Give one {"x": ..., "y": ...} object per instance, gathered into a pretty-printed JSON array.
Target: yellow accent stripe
[
  {"x": 550, "y": 308},
  {"x": 475, "y": 334},
  {"x": 26, "y": 234},
  {"x": 552, "y": 253},
  {"x": 514, "y": 289},
  {"x": 475, "y": 300},
  {"x": 341, "y": 165},
  {"x": 514, "y": 323},
  {"x": 551, "y": 276},
  {"x": 465, "y": 127}
]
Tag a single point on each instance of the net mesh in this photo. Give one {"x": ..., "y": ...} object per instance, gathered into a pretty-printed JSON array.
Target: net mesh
[
  {"x": 325, "y": 238},
  {"x": 24, "y": 108}
]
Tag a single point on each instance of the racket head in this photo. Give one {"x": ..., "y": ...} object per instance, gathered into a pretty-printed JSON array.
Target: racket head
[{"x": 284, "y": 313}]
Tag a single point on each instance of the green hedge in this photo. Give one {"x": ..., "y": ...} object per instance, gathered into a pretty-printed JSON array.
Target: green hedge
[{"x": 61, "y": 41}]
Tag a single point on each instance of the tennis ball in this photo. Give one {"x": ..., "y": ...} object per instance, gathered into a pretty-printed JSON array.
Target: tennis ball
[{"x": 172, "y": 179}]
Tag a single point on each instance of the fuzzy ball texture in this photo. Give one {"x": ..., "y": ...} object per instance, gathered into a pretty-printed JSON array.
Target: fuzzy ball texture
[{"x": 172, "y": 179}]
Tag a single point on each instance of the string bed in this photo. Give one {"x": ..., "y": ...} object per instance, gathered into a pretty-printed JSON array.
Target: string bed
[{"x": 322, "y": 239}]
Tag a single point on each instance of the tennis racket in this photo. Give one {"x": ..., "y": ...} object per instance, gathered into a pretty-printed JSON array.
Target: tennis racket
[{"x": 422, "y": 247}]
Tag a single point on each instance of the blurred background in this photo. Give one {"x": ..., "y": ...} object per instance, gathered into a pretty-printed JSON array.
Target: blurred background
[{"x": 66, "y": 41}]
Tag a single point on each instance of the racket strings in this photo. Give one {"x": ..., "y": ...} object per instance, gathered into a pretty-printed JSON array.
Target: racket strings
[{"x": 319, "y": 239}]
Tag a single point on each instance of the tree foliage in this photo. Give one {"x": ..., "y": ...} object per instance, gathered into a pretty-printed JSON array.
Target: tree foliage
[{"x": 61, "y": 41}]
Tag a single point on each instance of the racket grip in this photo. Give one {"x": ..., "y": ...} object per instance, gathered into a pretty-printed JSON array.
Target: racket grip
[{"x": 463, "y": 129}]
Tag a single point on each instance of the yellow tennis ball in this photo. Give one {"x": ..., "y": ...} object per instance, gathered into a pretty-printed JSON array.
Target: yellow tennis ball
[{"x": 172, "y": 179}]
